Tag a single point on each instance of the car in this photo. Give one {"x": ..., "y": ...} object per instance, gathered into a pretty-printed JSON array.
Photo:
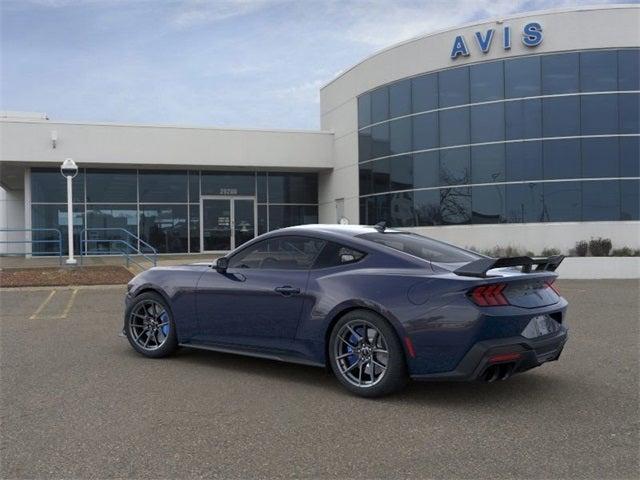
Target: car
[{"x": 376, "y": 306}]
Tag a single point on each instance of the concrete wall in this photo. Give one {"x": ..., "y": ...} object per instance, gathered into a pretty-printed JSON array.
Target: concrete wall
[
  {"x": 584, "y": 268},
  {"x": 11, "y": 217}
]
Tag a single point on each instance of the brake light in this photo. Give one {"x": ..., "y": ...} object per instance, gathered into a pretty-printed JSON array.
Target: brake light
[
  {"x": 489, "y": 295},
  {"x": 504, "y": 357},
  {"x": 551, "y": 285}
]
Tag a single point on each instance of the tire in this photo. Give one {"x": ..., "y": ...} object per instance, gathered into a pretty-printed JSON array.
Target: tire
[
  {"x": 160, "y": 337},
  {"x": 357, "y": 363}
]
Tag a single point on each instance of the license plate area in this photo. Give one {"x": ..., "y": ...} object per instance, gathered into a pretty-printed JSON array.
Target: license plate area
[{"x": 539, "y": 326}]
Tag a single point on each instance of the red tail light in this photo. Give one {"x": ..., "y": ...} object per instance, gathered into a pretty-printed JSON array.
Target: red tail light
[
  {"x": 551, "y": 285},
  {"x": 489, "y": 295}
]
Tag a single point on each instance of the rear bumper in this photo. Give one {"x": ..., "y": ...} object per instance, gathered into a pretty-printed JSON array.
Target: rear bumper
[{"x": 482, "y": 362}]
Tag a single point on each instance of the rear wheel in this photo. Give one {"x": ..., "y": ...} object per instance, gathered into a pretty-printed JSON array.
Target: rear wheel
[
  {"x": 366, "y": 355},
  {"x": 150, "y": 328}
]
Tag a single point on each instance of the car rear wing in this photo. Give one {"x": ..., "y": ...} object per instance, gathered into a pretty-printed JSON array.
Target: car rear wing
[{"x": 479, "y": 268}]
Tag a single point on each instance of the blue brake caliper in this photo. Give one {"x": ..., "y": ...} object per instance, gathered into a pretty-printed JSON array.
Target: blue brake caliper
[
  {"x": 351, "y": 359},
  {"x": 165, "y": 318}
]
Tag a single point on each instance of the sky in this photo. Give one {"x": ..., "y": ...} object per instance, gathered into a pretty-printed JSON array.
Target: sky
[{"x": 227, "y": 63}]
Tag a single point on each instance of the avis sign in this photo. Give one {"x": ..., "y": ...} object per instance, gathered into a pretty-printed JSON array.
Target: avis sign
[{"x": 531, "y": 37}]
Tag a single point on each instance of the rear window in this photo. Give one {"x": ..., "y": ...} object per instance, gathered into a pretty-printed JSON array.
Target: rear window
[{"x": 422, "y": 247}]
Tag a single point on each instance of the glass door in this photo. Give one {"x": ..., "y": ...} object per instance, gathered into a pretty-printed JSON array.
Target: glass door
[{"x": 226, "y": 222}]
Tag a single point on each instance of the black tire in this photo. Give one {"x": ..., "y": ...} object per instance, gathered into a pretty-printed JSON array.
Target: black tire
[
  {"x": 170, "y": 339},
  {"x": 395, "y": 376}
]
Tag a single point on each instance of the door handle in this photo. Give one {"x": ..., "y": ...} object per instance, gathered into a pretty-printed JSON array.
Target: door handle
[{"x": 287, "y": 290}]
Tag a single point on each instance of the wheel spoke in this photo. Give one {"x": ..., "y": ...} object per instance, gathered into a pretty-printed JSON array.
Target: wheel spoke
[
  {"x": 348, "y": 354},
  {"x": 354, "y": 332},
  {"x": 344, "y": 341},
  {"x": 352, "y": 366},
  {"x": 147, "y": 336},
  {"x": 360, "y": 374},
  {"x": 384, "y": 367}
]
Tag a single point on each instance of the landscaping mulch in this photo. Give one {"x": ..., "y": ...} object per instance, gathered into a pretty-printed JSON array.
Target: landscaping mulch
[{"x": 59, "y": 276}]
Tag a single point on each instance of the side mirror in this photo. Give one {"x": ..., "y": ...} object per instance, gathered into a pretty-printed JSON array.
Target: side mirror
[{"x": 222, "y": 264}]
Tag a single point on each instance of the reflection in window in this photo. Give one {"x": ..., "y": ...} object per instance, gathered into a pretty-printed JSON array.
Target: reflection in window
[
  {"x": 228, "y": 183},
  {"x": 523, "y": 161},
  {"x": 425, "y": 131},
  {"x": 165, "y": 227},
  {"x": 55, "y": 217},
  {"x": 424, "y": 93},
  {"x": 454, "y": 127},
  {"x": 523, "y": 119},
  {"x": 263, "y": 221},
  {"x": 426, "y": 169},
  {"x": 629, "y": 113},
  {"x": 562, "y": 202},
  {"x": 366, "y": 177},
  {"x": 194, "y": 186},
  {"x": 381, "y": 175},
  {"x": 379, "y": 104},
  {"x": 598, "y": 71},
  {"x": 522, "y": 77},
  {"x": 455, "y": 205},
  {"x": 49, "y": 186},
  {"x": 365, "y": 148},
  {"x": 261, "y": 187},
  {"x": 112, "y": 186},
  {"x": 455, "y": 166},
  {"x": 599, "y": 114},
  {"x": 561, "y": 116},
  {"x": 402, "y": 209},
  {"x": 630, "y": 200},
  {"x": 364, "y": 110},
  {"x": 487, "y": 81},
  {"x": 524, "y": 203},
  {"x": 600, "y": 200},
  {"x": 426, "y": 204},
  {"x": 194, "y": 227},
  {"x": 560, "y": 73},
  {"x": 453, "y": 87},
  {"x": 114, "y": 218},
  {"x": 400, "y": 98},
  {"x": 401, "y": 172},
  {"x": 629, "y": 69},
  {"x": 488, "y": 204},
  {"x": 281, "y": 216},
  {"x": 163, "y": 186},
  {"x": 487, "y": 123},
  {"x": 487, "y": 164},
  {"x": 562, "y": 159},
  {"x": 293, "y": 187},
  {"x": 400, "y": 135},
  {"x": 600, "y": 157},
  {"x": 630, "y": 156},
  {"x": 380, "y": 141}
]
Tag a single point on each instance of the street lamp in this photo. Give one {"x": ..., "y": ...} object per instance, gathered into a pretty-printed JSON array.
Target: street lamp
[{"x": 69, "y": 169}]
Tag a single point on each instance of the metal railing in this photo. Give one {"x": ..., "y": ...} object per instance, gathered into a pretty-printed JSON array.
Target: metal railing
[
  {"x": 31, "y": 241},
  {"x": 130, "y": 246}
]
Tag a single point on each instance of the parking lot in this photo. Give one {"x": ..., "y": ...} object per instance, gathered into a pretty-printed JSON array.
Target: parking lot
[{"x": 78, "y": 402}]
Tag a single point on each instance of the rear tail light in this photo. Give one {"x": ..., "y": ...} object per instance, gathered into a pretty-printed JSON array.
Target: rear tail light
[
  {"x": 489, "y": 295},
  {"x": 551, "y": 285}
]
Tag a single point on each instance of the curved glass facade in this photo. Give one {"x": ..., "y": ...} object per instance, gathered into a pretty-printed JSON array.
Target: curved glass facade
[{"x": 545, "y": 138}]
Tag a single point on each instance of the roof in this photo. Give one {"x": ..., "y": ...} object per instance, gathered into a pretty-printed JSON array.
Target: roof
[{"x": 349, "y": 230}]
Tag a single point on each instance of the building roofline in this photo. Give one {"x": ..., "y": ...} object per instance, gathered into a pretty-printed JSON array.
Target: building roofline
[{"x": 481, "y": 22}]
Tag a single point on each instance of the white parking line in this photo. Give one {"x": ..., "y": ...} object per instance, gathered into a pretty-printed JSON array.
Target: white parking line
[
  {"x": 61, "y": 316},
  {"x": 42, "y": 305}
]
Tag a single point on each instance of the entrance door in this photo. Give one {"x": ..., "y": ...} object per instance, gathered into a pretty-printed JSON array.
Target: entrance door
[{"x": 226, "y": 222}]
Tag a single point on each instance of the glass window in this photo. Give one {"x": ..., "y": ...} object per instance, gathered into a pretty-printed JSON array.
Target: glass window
[
  {"x": 630, "y": 200},
  {"x": 54, "y": 217},
  {"x": 455, "y": 206},
  {"x": 335, "y": 255},
  {"x": 194, "y": 227},
  {"x": 523, "y": 161},
  {"x": 366, "y": 178},
  {"x": 364, "y": 145},
  {"x": 424, "y": 93},
  {"x": 453, "y": 87},
  {"x": 425, "y": 131},
  {"x": 630, "y": 156},
  {"x": 426, "y": 205},
  {"x": 401, "y": 172},
  {"x": 561, "y": 116},
  {"x": 163, "y": 186},
  {"x": 600, "y": 200},
  {"x": 261, "y": 187},
  {"x": 488, "y": 204},
  {"x": 599, "y": 71},
  {"x": 402, "y": 209},
  {"x": 228, "y": 183},
  {"x": 117, "y": 186},
  {"x": 380, "y": 141},
  {"x": 560, "y": 73},
  {"x": 522, "y": 77},
  {"x": 281, "y": 216},
  {"x": 426, "y": 169},
  {"x": 629, "y": 69},
  {"x": 487, "y": 123},
  {"x": 599, "y": 114},
  {"x": 400, "y": 98},
  {"x": 524, "y": 203},
  {"x": 400, "y": 135},
  {"x": 263, "y": 220},
  {"x": 117, "y": 219},
  {"x": 280, "y": 253},
  {"x": 523, "y": 119},
  {"x": 165, "y": 227},
  {"x": 600, "y": 157},
  {"x": 378, "y": 209},
  {"x": 562, "y": 202},
  {"x": 364, "y": 110},
  {"x": 487, "y": 81},
  {"x": 454, "y": 127},
  {"x": 194, "y": 186},
  {"x": 49, "y": 186},
  {"x": 455, "y": 166},
  {"x": 380, "y": 104},
  {"x": 629, "y": 113},
  {"x": 562, "y": 159},
  {"x": 487, "y": 164},
  {"x": 293, "y": 187},
  {"x": 381, "y": 175}
]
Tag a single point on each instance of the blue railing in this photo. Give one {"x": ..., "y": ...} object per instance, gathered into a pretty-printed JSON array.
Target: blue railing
[
  {"x": 131, "y": 246},
  {"x": 31, "y": 241}
]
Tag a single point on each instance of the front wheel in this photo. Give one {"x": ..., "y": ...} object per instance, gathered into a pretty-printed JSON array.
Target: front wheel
[
  {"x": 149, "y": 326},
  {"x": 366, "y": 355}
]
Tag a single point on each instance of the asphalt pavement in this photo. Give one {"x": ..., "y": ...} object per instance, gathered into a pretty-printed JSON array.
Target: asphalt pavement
[{"x": 78, "y": 402}]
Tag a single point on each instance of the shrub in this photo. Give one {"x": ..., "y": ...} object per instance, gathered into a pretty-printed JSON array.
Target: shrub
[
  {"x": 625, "y": 252},
  {"x": 508, "y": 251},
  {"x": 600, "y": 247},
  {"x": 581, "y": 248},
  {"x": 550, "y": 252}
]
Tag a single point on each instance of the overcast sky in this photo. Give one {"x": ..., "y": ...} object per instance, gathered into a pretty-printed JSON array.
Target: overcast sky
[{"x": 244, "y": 63}]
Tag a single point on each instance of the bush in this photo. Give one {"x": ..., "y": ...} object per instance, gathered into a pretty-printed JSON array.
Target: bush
[
  {"x": 600, "y": 247},
  {"x": 625, "y": 252},
  {"x": 550, "y": 252},
  {"x": 508, "y": 251},
  {"x": 582, "y": 248}
]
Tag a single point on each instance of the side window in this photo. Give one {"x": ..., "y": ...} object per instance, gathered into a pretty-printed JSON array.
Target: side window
[
  {"x": 279, "y": 253},
  {"x": 335, "y": 254}
]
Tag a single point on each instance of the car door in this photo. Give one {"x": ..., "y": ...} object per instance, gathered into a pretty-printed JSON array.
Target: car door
[{"x": 257, "y": 302}]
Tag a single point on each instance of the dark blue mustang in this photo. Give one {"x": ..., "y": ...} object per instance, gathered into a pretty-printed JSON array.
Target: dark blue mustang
[{"x": 374, "y": 305}]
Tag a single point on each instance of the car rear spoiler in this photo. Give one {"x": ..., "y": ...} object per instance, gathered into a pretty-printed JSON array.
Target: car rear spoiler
[{"x": 479, "y": 268}]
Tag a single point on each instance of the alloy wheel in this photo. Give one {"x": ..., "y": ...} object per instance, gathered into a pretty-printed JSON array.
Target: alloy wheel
[{"x": 149, "y": 325}]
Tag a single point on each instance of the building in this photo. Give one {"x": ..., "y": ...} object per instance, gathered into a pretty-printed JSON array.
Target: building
[{"x": 520, "y": 131}]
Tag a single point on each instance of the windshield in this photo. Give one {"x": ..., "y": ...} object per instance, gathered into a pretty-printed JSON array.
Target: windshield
[{"x": 422, "y": 247}]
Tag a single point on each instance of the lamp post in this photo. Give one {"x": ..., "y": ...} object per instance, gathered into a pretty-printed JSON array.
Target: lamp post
[{"x": 69, "y": 169}]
